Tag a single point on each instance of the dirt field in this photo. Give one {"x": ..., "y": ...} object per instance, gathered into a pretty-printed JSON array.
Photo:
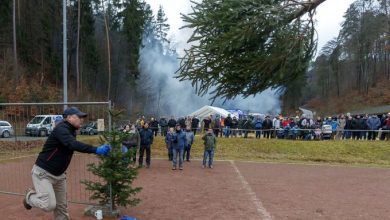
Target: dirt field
[{"x": 242, "y": 190}]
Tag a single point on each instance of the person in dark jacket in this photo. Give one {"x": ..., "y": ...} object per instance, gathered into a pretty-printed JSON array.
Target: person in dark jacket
[
  {"x": 228, "y": 124},
  {"x": 267, "y": 126},
  {"x": 348, "y": 128},
  {"x": 146, "y": 136},
  {"x": 164, "y": 126},
  {"x": 195, "y": 124},
  {"x": 153, "y": 124},
  {"x": 169, "y": 142},
  {"x": 373, "y": 124},
  {"x": 179, "y": 143},
  {"x": 172, "y": 122},
  {"x": 48, "y": 172}
]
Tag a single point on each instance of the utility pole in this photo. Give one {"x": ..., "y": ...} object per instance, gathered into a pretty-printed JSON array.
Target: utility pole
[{"x": 64, "y": 54}]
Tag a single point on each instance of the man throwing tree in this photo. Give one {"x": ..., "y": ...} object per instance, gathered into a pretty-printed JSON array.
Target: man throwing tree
[{"x": 48, "y": 172}]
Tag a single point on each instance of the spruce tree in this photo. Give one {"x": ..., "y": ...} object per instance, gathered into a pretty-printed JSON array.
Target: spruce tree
[{"x": 116, "y": 188}]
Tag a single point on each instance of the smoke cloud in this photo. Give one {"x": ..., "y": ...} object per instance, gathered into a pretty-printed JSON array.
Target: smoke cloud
[{"x": 169, "y": 96}]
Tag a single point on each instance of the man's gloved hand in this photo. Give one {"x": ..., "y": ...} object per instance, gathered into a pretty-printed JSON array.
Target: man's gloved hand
[{"x": 103, "y": 150}]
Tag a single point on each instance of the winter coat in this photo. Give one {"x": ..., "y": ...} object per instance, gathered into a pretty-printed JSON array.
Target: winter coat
[
  {"x": 228, "y": 121},
  {"x": 341, "y": 123},
  {"x": 206, "y": 123},
  {"x": 171, "y": 123},
  {"x": 132, "y": 139},
  {"x": 210, "y": 141},
  {"x": 190, "y": 137},
  {"x": 163, "y": 122},
  {"x": 146, "y": 137},
  {"x": 169, "y": 139},
  {"x": 267, "y": 124},
  {"x": 58, "y": 149},
  {"x": 373, "y": 123},
  {"x": 153, "y": 125},
  {"x": 348, "y": 124},
  {"x": 234, "y": 124},
  {"x": 195, "y": 123},
  {"x": 179, "y": 140},
  {"x": 259, "y": 124}
]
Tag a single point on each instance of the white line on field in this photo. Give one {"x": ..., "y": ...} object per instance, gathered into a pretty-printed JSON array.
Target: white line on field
[{"x": 259, "y": 205}]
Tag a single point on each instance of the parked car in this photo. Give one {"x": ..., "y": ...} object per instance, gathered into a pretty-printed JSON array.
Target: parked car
[
  {"x": 41, "y": 125},
  {"x": 89, "y": 129},
  {"x": 6, "y": 129}
]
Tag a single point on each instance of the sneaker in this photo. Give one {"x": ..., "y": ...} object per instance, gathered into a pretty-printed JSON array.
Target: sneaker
[
  {"x": 25, "y": 204},
  {"x": 211, "y": 166},
  {"x": 203, "y": 166},
  {"x": 173, "y": 168},
  {"x": 180, "y": 168}
]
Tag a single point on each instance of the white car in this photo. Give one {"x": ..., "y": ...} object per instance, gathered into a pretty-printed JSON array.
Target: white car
[{"x": 6, "y": 129}]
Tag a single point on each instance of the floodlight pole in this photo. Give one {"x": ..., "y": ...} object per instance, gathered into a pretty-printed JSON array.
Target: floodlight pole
[{"x": 64, "y": 54}]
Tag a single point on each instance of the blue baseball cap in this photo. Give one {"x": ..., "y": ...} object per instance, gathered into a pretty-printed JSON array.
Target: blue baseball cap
[{"x": 74, "y": 111}]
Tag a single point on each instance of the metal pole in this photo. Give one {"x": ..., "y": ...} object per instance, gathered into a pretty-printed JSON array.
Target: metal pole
[
  {"x": 64, "y": 54},
  {"x": 109, "y": 116}
]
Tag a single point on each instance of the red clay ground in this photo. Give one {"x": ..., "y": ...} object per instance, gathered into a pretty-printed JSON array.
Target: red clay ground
[{"x": 241, "y": 190}]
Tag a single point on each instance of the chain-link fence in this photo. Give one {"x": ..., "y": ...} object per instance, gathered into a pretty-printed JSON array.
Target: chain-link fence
[{"x": 31, "y": 123}]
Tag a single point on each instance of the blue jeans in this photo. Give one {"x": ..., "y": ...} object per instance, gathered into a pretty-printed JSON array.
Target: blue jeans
[
  {"x": 187, "y": 152},
  {"x": 227, "y": 131},
  {"x": 210, "y": 155},
  {"x": 176, "y": 152}
]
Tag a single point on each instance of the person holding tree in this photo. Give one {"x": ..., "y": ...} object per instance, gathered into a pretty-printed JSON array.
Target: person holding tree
[
  {"x": 146, "y": 135},
  {"x": 48, "y": 172}
]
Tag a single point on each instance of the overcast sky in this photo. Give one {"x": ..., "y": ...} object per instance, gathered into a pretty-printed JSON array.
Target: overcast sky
[{"x": 329, "y": 17}]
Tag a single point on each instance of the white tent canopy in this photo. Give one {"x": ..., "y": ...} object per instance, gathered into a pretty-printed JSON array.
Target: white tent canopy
[{"x": 210, "y": 110}]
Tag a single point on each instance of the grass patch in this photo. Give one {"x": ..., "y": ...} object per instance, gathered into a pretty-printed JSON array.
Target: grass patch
[{"x": 362, "y": 153}]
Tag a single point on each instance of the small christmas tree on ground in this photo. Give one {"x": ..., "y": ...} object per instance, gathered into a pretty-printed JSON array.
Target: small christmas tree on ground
[{"x": 116, "y": 188}]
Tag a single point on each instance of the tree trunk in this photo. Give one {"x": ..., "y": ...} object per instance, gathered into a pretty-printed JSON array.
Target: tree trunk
[
  {"x": 16, "y": 71},
  {"x": 78, "y": 50}
]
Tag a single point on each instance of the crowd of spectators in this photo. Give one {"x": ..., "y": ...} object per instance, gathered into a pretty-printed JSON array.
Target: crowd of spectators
[{"x": 341, "y": 127}]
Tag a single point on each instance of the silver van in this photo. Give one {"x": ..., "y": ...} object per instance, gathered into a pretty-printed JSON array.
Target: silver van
[{"x": 41, "y": 125}]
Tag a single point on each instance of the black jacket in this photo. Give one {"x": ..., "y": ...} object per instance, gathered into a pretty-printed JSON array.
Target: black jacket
[
  {"x": 58, "y": 149},
  {"x": 171, "y": 123},
  {"x": 146, "y": 136}
]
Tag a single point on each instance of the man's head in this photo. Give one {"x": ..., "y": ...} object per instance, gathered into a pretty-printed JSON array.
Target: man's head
[
  {"x": 178, "y": 127},
  {"x": 74, "y": 116},
  {"x": 210, "y": 131},
  {"x": 146, "y": 125}
]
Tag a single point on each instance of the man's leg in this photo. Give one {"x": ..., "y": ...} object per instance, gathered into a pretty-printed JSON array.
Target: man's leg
[
  {"x": 211, "y": 158},
  {"x": 43, "y": 197},
  {"x": 61, "y": 210},
  {"x": 148, "y": 156},
  {"x": 141, "y": 155},
  {"x": 188, "y": 152},
  {"x": 205, "y": 155},
  {"x": 174, "y": 158},
  {"x": 181, "y": 155}
]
